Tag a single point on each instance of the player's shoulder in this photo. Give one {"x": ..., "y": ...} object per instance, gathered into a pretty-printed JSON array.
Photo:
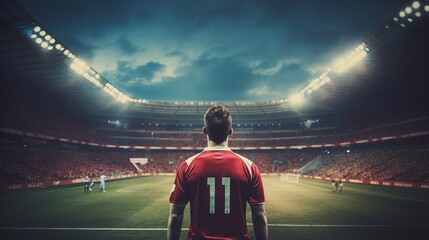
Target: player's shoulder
[
  {"x": 189, "y": 161},
  {"x": 244, "y": 159}
]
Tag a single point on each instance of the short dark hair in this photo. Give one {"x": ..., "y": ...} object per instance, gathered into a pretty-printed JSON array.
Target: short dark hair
[{"x": 217, "y": 122}]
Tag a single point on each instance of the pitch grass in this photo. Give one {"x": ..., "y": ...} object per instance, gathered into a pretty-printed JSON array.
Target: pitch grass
[{"x": 309, "y": 210}]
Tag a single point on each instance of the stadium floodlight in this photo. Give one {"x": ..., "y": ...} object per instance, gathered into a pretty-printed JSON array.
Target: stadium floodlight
[
  {"x": 48, "y": 37},
  {"x": 50, "y": 48},
  {"x": 402, "y": 14},
  {"x": 408, "y": 10},
  {"x": 44, "y": 44},
  {"x": 97, "y": 75},
  {"x": 37, "y": 29},
  {"x": 426, "y": 8},
  {"x": 52, "y": 41},
  {"x": 416, "y": 4},
  {"x": 78, "y": 65},
  {"x": 66, "y": 52},
  {"x": 42, "y": 33},
  {"x": 297, "y": 100},
  {"x": 39, "y": 40},
  {"x": 58, "y": 46},
  {"x": 352, "y": 58},
  {"x": 418, "y": 14},
  {"x": 33, "y": 36}
]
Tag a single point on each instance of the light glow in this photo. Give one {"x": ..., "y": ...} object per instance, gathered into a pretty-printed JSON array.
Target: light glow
[
  {"x": 297, "y": 100},
  {"x": 408, "y": 10},
  {"x": 37, "y": 29},
  {"x": 416, "y": 4},
  {"x": 39, "y": 40},
  {"x": 44, "y": 44},
  {"x": 402, "y": 14},
  {"x": 42, "y": 33},
  {"x": 344, "y": 63}
]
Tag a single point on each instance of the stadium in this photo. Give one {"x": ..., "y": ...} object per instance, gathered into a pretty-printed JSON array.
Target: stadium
[{"x": 363, "y": 119}]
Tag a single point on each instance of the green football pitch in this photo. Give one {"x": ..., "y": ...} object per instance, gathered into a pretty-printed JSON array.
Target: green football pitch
[{"x": 138, "y": 209}]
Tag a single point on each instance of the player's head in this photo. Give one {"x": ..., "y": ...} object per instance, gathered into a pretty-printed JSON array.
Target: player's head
[{"x": 218, "y": 124}]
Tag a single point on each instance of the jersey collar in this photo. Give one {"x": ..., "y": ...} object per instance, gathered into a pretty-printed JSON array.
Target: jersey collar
[{"x": 217, "y": 148}]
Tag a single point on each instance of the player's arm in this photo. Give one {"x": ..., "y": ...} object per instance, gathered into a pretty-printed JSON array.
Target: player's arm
[
  {"x": 175, "y": 222},
  {"x": 260, "y": 222}
]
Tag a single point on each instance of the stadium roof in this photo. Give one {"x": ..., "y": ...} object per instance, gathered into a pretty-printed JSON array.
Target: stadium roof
[{"x": 393, "y": 73}]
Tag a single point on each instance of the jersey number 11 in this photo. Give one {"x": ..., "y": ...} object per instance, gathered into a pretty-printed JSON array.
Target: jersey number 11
[{"x": 225, "y": 182}]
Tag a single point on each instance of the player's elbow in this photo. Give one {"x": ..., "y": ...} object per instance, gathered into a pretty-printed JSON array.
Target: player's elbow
[{"x": 175, "y": 217}]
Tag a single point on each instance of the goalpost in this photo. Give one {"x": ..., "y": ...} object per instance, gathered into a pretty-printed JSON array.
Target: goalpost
[{"x": 290, "y": 178}]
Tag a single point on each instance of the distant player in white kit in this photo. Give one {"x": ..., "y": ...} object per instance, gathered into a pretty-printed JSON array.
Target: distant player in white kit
[{"x": 103, "y": 183}]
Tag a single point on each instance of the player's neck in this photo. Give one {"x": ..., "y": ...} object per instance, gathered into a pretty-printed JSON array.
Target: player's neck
[{"x": 213, "y": 144}]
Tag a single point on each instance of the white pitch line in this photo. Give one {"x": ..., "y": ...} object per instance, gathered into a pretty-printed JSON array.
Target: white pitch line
[
  {"x": 342, "y": 225},
  {"x": 85, "y": 229},
  {"x": 249, "y": 224}
]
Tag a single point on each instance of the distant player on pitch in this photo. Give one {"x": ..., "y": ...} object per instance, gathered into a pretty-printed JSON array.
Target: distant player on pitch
[
  {"x": 334, "y": 185},
  {"x": 86, "y": 184},
  {"x": 217, "y": 182},
  {"x": 103, "y": 183}
]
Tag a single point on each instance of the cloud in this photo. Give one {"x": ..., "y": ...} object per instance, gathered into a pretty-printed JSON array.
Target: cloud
[
  {"x": 128, "y": 75},
  {"x": 176, "y": 53},
  {"x": 218, "y": 79},
  {"x": 81, "y": 48},
  {"x": 210, "y": 50},
  {"x": 258, "y": 91},
  {"x": 126, "y": 46}
]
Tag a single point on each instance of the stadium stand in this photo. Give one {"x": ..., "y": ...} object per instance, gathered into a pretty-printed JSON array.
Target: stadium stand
[
  {"x": 404, "y": 163},
  {"x": 35, "y": 165},
  {"x": 50, "y": 160}
]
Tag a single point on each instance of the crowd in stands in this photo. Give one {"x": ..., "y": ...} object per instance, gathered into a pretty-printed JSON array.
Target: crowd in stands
[
  {"x": 267, "y": 162},
  {"x": 35, "y": 166},
  {"x": 407, "y": 164},
  {"x": 21, "y": 114},
  {"x": 269, "y": 138}
]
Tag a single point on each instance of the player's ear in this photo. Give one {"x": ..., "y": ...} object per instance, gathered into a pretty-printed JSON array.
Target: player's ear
[
  {"x": 230, "y": 132},
  {"x": 204, "y": 132}
]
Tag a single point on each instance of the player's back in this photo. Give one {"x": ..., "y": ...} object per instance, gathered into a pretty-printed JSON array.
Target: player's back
[{"x": 219, "y": 183}]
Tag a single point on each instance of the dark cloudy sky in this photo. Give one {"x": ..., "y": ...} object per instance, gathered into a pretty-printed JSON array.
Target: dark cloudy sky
[{"x": 217, "y": 50}]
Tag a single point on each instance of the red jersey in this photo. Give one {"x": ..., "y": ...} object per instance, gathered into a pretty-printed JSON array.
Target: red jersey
[{"x": 217, "y": 182}]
